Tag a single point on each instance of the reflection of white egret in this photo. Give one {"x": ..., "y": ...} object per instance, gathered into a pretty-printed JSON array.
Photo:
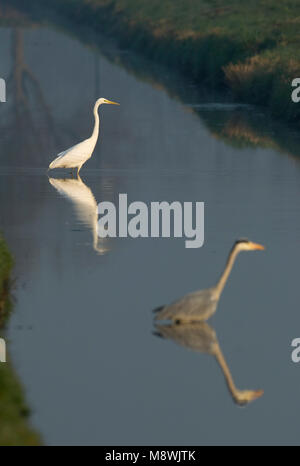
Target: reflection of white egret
[
  {"x": 77, "y": 155},
  {"x": 85, "y": 206},
  {"x": 201, "y": 305},
  {"x": 199, "y": 336}
]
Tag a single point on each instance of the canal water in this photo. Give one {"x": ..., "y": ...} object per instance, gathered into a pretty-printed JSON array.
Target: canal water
[{"x": 81, "y": 336}]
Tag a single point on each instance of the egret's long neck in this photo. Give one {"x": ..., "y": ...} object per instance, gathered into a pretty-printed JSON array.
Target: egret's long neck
[
  {"x": 224, "y": 277},
  {"x": 96, "y": 125}
]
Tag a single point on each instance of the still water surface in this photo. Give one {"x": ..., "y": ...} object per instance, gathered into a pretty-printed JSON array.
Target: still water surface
[{"x": 81, "y": 335}]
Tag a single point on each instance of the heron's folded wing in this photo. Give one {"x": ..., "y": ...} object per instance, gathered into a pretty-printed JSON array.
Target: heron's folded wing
[{"x": 196, "y": 305}]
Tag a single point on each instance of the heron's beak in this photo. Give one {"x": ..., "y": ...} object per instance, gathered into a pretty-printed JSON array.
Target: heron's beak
[
  {"x": 111, "y": 102},
  {"x": 255, "y": 246},
  {"x": 257, "y": 394},
  {"x": 246, "y": 396}
]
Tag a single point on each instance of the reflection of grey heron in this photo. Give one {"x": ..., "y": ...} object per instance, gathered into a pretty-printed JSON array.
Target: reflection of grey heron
[
  {"x": 77, "y": 155},
  {"x": 199, "y": 336},
  {"x": 201, "y": 305},
  {"x": 85, "y": 206}
]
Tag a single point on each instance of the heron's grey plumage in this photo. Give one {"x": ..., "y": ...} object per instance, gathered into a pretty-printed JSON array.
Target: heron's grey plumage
[
  {"x": 196, "y": 336},
  {"x": 201, "y": 305},
  {"x": 197, "y": 306}
]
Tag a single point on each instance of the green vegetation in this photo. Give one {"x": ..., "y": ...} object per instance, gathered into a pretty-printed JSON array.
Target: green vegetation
[
  {"x": 251, "y": 47},
  {"x": 14, "y": 429},
  {"x": 6, "y": 264}
]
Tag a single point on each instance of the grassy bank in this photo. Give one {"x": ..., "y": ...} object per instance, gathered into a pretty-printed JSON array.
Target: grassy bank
[
  {"x": 250, "y": 47},
  {"x": 14, "y": 428}
]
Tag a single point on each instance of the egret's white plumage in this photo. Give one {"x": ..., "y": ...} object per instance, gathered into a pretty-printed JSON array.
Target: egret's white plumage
[{"x": 77, "y": 155}]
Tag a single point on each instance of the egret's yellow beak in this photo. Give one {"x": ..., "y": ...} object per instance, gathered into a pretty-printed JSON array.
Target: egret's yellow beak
[
  {"x": 111, "y": 102},
  {"x": 257, "y": 246}
]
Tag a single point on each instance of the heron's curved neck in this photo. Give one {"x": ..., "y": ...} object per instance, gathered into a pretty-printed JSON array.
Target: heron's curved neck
[
  {"x": 224, "y": 277},
  {"x": 226, "y": 371},
  {"x": 96, "y": 125}
]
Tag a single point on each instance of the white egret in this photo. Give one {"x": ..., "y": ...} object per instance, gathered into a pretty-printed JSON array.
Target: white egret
[{"x": 77, "y": 155}]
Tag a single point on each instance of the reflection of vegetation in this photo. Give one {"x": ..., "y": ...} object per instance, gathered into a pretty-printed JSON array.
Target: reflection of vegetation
[
  {"x": 26, "y": 109},
  {"x": 10, "y": 17},
  {"x": 14, "y": 429},
  {"x": 246, "y": 127},
  {"x": 253, "y": 47}
]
